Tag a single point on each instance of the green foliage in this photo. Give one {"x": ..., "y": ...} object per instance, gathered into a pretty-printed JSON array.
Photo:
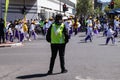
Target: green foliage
[
  {"x": 98, "y": 11},
  {"x": 116, "y": 3},
  {"x": 84, "y": 7},
  {"x": 107, "y": 9}
]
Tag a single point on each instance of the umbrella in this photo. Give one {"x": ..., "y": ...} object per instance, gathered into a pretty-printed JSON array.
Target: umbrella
[
  {"x": 111, "y": 12},
  {"x": 117, "y": 10}
]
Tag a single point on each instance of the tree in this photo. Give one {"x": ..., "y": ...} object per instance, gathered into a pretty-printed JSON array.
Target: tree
[
  {"x": 98, "y": 11},
  {"x": 116, "y": 3},
  {"x": 107, "y": 9},
  {"x": 84, "y": 7}
]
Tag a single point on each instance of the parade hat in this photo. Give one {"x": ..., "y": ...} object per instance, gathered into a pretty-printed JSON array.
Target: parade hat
[
  {"x": 90, "y": 25},
  {"x": 70, "y": 17},
  {"x": 20, "y": 21},
  {"x": 95, "y": 20},
  {"x": 68, "y": 21},
  {"x": 25, "y": 22},
  {"x": 46, "y": 20},
  {"x": 117, "y": 18},
  {"x": 33, "y": 22},
  {"x": 90, "y": 17},
  {"x": 50, "y": 18}
]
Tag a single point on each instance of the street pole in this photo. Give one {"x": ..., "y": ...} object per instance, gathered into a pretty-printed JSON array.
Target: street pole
[
  {"x": 25, "y": 11},
  {"x": 1, "y": 8},
  {"x": 60, "y": 6},
  {"x": 24, "y": 2},
  {"x": 24, "y": 7}
]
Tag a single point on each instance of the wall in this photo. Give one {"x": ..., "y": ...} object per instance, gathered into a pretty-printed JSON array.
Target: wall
[
  {"x": 43, "y": 8},
  {"x": 15, "y": 9},
  {"x": 52, "y": 7}
]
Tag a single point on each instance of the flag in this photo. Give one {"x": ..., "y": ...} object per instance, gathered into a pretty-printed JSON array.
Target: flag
[{"x": 6, "y": 10}]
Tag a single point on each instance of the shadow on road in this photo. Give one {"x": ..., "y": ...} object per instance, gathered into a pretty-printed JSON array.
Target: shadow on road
[
  {"x": 82, "y": 42},
  {"x": 31, "y": 76},
  {"x": 34, "y": 76},
  {"x": 102, "y": 44},
  {"x": 42, "y": 38},
  {"x": 82, "y": 35}
]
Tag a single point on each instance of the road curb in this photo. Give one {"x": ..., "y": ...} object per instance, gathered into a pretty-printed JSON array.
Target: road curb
[{"x": 10, "y": 44}]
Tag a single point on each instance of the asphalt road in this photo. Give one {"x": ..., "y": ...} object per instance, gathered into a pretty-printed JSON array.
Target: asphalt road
[{"x": 84, "y": 61}]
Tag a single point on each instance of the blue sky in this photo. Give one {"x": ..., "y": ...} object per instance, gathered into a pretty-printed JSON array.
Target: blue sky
[
  {"x": 73, "y": 1},
  {"x": 104, "y": 0}
]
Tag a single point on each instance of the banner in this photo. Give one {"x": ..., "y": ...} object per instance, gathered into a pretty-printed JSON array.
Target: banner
[{"x": 6, "y": 10}]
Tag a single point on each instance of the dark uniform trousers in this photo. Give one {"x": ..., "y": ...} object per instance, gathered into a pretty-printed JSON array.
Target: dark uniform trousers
[
  {"x": 54, "y": 49},
  {"x": 2, "y": 37}
]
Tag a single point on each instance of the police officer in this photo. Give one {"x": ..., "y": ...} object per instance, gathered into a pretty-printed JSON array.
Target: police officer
[
  {"x": 57, "y": 35},
  {"x": 2, "y": 36}
]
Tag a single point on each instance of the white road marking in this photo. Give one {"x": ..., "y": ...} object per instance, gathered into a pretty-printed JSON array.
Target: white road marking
[
  {"x": 16, "y": 44},
  {"x": 87, "y": 78}
]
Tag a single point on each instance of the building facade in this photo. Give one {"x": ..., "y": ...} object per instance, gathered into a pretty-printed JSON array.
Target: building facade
[
  {"x": 15, "y": 9},
  {"x": 50, "y": 8},
  {"x": 36, "y": 9}
]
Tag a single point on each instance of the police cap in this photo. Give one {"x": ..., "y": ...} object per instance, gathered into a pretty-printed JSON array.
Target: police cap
[{"x": 58, "y": 17}]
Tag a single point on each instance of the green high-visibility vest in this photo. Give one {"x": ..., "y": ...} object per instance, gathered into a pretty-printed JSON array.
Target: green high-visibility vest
[
  {"x": 41, "y": 23},
  {"x": 57, "y": 36}
]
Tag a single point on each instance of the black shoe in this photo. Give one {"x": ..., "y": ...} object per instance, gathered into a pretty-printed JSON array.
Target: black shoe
[
  {"x": 49, "y": 73},
  {"x": 106, "y": 43},
  {"x": 90, "y": 40},
  {"x": 64, "y": 71}
]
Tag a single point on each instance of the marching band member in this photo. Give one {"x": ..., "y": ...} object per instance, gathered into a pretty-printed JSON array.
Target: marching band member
[
  {"x": 17, "y": 29},
  {"x": 32, "y": 30},
  {"x": 25, "y": 28},
  {"x": 45, "y": 27},
  {"x": 76, "y": 25},
  {"x": 110, "y": 35},
  {"x": 89, "y": 33},
  {"x": 21, "y": 31}
]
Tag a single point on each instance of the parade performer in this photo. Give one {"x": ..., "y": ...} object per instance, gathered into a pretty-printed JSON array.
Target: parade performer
[
  {"x": 21, "y": 31},
  {"x": 32, "y": 30},
  {"x": 76, "y": 25},
  {"x": 89, "y": 33},
  {"x": 9, "y": 32},
  {"x": 17, "y": 29},
  {"x": 110, "y": 35},
  {"x": 116, "y": 26},
  {"x": 25, "y": 28},
  {"x": 45, "y": 27}
]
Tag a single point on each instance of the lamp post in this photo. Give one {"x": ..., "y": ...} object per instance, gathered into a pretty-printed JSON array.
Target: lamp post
[
  {"x": 1, "y": 8},
  {"x": 24, "y": 2},
  {"x": 60, "y": 6},
  {"x": 24, "y": 8}
]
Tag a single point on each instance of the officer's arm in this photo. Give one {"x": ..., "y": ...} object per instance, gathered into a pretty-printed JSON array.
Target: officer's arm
[
  {"x": 48, "y": 36},
  {"x": 66, "y": 35}
]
